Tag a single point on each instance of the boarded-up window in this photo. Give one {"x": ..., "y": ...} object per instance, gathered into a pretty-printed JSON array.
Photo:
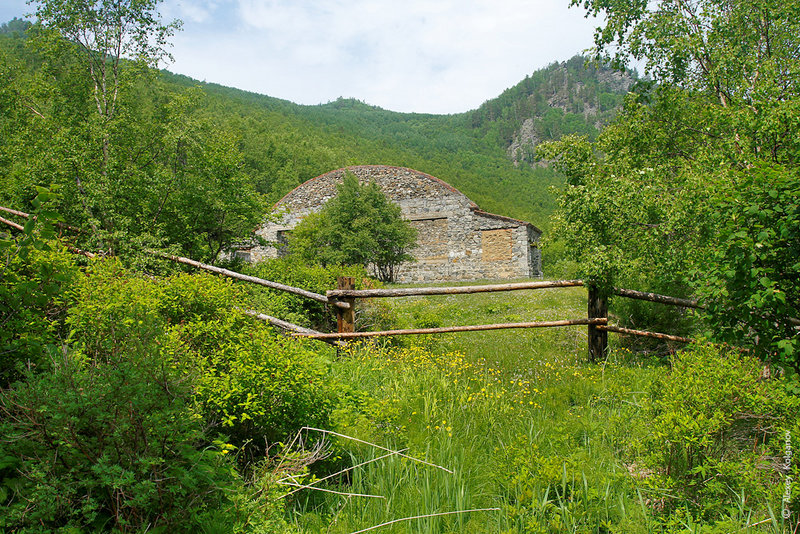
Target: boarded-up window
[
  {"x": 496, "y": 245},
  {"x": 431, "y": 239}
]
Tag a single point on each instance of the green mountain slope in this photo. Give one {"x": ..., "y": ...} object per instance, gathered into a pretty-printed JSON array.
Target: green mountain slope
[
  {"x": 480, "y": 151},
  {"x": 487, "y": 153}
]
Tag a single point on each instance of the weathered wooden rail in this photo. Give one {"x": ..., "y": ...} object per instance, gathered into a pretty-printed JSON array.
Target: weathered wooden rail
[
  {"x": 458, "y": 290},
  {"x": 252, "y": 279},
  {"x": 596, "y": 322},
  {"x": 450, "y": 329}
]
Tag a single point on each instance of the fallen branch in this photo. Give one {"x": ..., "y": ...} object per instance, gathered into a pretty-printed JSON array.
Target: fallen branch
[
  {"x": 325, "y": 490},
  {"x": 393, "y": 453},
  {"x": 331, "y": 432}
]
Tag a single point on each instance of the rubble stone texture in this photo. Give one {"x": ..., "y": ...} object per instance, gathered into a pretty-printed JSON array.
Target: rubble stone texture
[{"x": 456, "y": 239}]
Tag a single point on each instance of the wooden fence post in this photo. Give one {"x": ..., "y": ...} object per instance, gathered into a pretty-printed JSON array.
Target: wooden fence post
[
  {"x": 598, "y": 339},
  {"x": 346, "y": 319}
]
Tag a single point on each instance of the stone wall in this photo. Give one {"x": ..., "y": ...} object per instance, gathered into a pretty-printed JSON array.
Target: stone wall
[{"x": 456, "y": 240}]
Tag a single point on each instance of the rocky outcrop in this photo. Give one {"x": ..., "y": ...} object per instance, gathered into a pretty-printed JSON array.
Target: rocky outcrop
[{"x": 588, "y": 95}]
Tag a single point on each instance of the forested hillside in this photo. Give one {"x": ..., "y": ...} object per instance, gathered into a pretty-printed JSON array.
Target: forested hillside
[
  {"x": 471, "y": 150},
  {"x": 264, "y": 146}
]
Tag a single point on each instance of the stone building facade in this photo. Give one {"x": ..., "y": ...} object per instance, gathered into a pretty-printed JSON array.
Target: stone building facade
[{"x": 456, "y": 240}]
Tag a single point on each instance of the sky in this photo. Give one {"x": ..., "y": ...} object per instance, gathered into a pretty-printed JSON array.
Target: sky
[{"x": 423, "y": 56}]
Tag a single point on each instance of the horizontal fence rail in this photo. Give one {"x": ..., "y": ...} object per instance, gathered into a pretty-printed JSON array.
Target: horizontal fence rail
[
  {"x": 253, "y": 279},
  {"x": 15, "y": 212},
  {"x": 285, "y": 325},
  {"x": 655, "y": 297},
  {"x": 21, "y": 228},
  {"x": 451, "y": 329},
  {"x": 28, "y": 216},
  {"x": 458, "y": 290},
  {"x": 643, "y": 333},
  {"x": 12, "y": 224}
]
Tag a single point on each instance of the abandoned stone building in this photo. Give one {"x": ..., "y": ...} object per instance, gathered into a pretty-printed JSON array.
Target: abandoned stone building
[{"x": 456, "y": 239}]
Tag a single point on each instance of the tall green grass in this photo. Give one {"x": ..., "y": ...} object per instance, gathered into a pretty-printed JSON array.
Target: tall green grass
[{"x": 524, "y": 423}]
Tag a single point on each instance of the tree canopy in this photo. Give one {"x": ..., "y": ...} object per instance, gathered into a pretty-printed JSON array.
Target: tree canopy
[
  {"x": 694, "y": 188},
  {"x": 359, "y": 226},
  {"x": 137, "y": 162}
]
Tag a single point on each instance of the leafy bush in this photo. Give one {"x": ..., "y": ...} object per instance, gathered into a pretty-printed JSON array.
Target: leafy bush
[
  {"x": 34, "y": 294},
  {"x": 111, "y": 444},
  {"x": 751, "y": 279},
  {"x": 247, "y": 382},
  {"x": 35, "y": 278},
  {"x": 718, "y": 425},
  {"x": 115, "y": 310},
  {"x": 126, "y": 430},
  {"x": 253, "y": 386}
]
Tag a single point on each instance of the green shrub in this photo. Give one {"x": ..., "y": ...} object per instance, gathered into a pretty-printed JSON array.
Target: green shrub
[
  {"x": 116, "y": 308},
  {"x": 254, "y": 386},
  {"x": 718, "y": 423},
  {"x": 34, "y": 295},
  {"x": 189, "y": 297},
  {"x": 247, "y": 382},
  {"x": 358, "y": 226},
  {"x": 126, "y": 430},
  {"x": 110, "y": 445}
]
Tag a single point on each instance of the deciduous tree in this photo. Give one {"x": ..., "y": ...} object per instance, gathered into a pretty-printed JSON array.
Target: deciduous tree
[
  {"x": 673, "y": 195},
  {"x": 360, "y": 226}
]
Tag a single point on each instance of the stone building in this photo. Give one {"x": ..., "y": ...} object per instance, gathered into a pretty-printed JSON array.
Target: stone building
[{"x": 456, "y": 240}]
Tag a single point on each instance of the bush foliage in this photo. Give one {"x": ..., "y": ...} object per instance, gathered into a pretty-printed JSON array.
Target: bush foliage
[
  {"x": 359, "y": 226},
  {"x": 112, "y": 444},
  {"x": 131, "y": 422},
  {"x": 718, "y": 428}
]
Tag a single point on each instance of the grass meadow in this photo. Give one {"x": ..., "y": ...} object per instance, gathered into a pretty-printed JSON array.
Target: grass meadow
[{"x": 516, "y": 423}]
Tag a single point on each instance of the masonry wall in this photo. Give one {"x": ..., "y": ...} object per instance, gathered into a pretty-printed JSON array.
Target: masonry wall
[{"x": 456, "y": 240}]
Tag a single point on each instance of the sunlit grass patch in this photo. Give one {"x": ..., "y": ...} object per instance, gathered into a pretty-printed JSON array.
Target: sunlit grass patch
[{"x": 526, "y": 425}]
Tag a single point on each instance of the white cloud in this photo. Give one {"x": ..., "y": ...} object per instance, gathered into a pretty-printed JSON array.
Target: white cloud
[{"x": 438, "y": 56}]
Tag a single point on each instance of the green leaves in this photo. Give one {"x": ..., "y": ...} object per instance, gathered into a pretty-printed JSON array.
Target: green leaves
[
  {"x": 359, "y": 226},
  {"x": 712, "y": 426},
  {"x": 112, "y": 443},
  {"x": 750, "y": 278}
]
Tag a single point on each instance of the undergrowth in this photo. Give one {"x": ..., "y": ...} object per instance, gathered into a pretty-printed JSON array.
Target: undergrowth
[{"x": 543, "y": 441}]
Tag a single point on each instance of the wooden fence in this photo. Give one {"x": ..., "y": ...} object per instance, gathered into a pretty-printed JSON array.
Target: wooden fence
[
  {"x": 343, "y": 300},
  {"x": 596, "y": 321}
]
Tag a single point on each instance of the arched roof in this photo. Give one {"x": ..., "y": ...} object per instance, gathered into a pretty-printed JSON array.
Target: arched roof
[{"x": 398, "y": 183}]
